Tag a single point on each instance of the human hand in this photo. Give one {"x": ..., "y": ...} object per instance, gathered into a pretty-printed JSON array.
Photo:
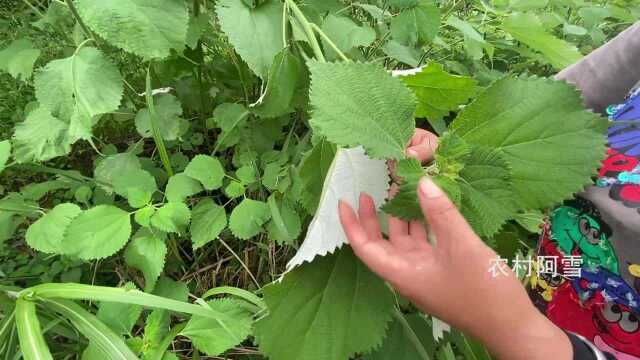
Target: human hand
[
  {"x": 450, "y": 279},
  {"x": 422, "y": 146}
]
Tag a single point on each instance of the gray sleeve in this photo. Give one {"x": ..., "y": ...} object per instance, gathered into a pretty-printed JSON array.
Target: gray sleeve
[{"x": 607, "y": 74}]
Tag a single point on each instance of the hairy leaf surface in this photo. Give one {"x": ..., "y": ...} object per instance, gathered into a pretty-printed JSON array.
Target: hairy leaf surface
[
  {"x": 209, "y": 219},
  {"x": 18, "y": 58}
]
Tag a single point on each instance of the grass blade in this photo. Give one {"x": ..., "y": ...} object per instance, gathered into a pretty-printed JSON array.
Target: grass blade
[
  {"x": 157, "y": 137},
  {"x": 93, "y": 329},
  {"x": 32, "y": 342}
]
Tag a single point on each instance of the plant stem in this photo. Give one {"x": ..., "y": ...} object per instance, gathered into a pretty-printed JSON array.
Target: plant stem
[
  {"x": 411, "y": 335},
  {"x": 308, "y": 30},
  {"x": 153, "y": 119},
  {"x": 84, "y": 27},
  {"x": 35, "y": 9},
  {"x": 244, "y": 266},
  {"x": 333, "y": 45}
]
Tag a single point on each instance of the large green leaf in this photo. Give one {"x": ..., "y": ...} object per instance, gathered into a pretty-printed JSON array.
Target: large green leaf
[
  {"x": 209, "y": 219},
  {"x": 528, "y": 29},
  {"x": 149, "y": 28},
  {"x": 206, "y": 169},
  {"x": 78, "y": 88},
  {"x": 331, "y": 308},
  {"x": 170, "y": 125},
  {"x": 48, "y": 232},
  {"x": 256, "y": 33},
  {"x": 31, "y": 143},
  {"x": 32, "y": 343},
  {"x": 416, "y": 25},
  {"x": 409, "y": 338},
  {"x": 210, "y": 337},
  {"x": 18, "y": 58},
  {"x": 551, "y": 143},
  {"x": 247, "y": 218},
  {"x": 146, "y": 252},
  {"x": 97, "y": 233},
  {"x": 361, "y": 104},
  {"x": 438, "y": 92}
]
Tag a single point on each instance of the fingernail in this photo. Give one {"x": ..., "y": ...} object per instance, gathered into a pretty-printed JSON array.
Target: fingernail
[
  {"x": 412, "y": 153},
  {"x": 429, "y": 189}
]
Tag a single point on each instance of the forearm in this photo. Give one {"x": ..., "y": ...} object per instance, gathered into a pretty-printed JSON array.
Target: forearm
[{"x": 607, "y": 74}]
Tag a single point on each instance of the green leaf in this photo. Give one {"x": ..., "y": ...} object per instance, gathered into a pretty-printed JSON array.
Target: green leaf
[
  {"x": 48, "y": 232},
  {"x": 210, "y": 337},
  {"x": 474, "y": 43},
  {"x": 206, "y": 169},
  {"x": 285, "y": 226},
  {"x": 148, "y": 29},
  {"x": 312, "y": 172},
  {"x": 146, "y": 252},
  {"x": 329, "y": 309},
  {"x": 405, "y": 204},
  {"x": 32, "y": 144},
  {"x": 242, "y": 23},
  {"x": 5, "y": 152},
  {"x": 119, "y": 317},
  {"x": 402, "y": 53},
  {"x": 528, "y": 29},
  {"x": 229, "y": 118},
  {"x": 68, "y": 88},
  {"x": 181, "y": 186},
  {"x": 284, "y": 77},
  {"x": 531, "y": 220},
  {"x": 345, "y": 34},
  {"x": 143, "y": 215},
  {"x": 114, "y": 167},
  {"x": 399, "y": 343},
  {"x": 401, "y": 4},
  {"x": 551, "y": 143},
  {"x": 32, "y": 343},
  {"x": 170, "y": 125},
  {"x": 488, "y": 200},
  {"x": 361, "y": 104},
  {"x": 93, "y": 329},
  {"x": 247, "y": 218},
  {"x": 157, "y": 325},
  {"x": 97, "y": 233},
  {"x": 18, "y": 59},
  {"x": 439, "y": 92},
  {"x": 209, "y": 219},
  {"x": 173, "y": 217},
  {"x": 416, "y": 25},
  {"x": 137, "y": 186}
]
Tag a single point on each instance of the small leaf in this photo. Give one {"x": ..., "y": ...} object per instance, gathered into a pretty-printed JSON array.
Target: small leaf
[
  {"x": 285, "y": 226},
  {"x": 18, "y": 59},
  {"x": 417, "y": 25},
  {"x": 170, "y": 125},
  {"x": 209, "y": 219},
  {"x": 97, "y": 233},
  {"x": 351, "y": 173},
  {"x": 247, "y": 218},
  {"x": 313, "y": 310},
  {"x": 137, "y": 187},
  {"x": 210, "y": 337},
  {"x": 230, "y": 118},
  {"x": 143, "y": 215},
  {"x": 404, "y": 204},
  {"x": 148, "y": 29},
  {"x": 346, "y": 35},
  {"x": 241, "y": 24},
  {"x": 32, "y": 144},
  {"x": 146, "y": 252},
  {"x": 206, "y": 169},
  {"x": 181, "y": 186},
  {"x": 114, "y": 167},
  {"x": 361, "y": 104},
  {"x": 48, "y": 232},
  {"x": 173, "y": 217},
  {"x": 439, "y": 92}
]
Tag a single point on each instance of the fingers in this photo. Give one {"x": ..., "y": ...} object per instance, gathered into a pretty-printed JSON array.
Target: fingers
[
  {"x": 444, "y": 218},
  {"x": 418, "y": 232},
  {"x": 369, "y": 217},
  {"x": 376, "y": 253},
  {"x": 423, "y": 145}
]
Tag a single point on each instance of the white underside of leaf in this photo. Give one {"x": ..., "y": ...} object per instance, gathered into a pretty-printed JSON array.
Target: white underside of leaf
[
  {"x": 407, "y": 72},
  {"x": 351, "y": 173}
]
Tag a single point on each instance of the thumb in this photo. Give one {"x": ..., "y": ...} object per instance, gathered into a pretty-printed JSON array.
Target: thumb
[{"x": 441, "y": 214}]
